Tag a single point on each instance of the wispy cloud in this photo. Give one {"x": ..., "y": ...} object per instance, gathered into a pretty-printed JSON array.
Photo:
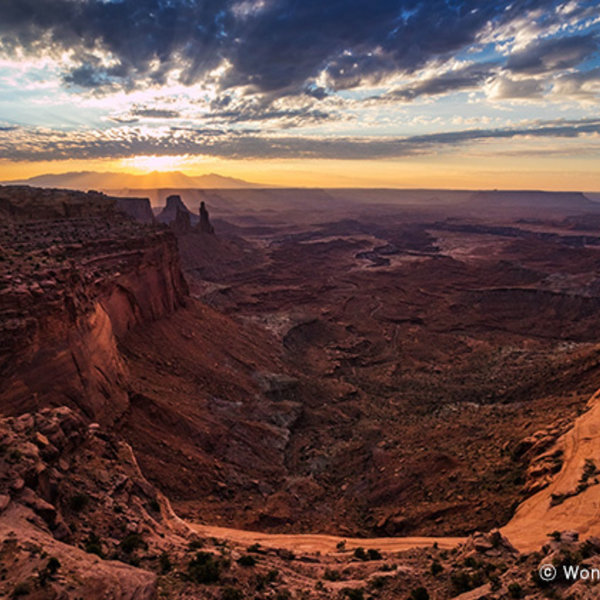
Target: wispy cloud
[{"x": 43, "y": 144}]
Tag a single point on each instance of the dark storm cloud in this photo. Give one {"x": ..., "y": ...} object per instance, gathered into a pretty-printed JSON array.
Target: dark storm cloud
[
  {"x": 553, "y": 54},
  {"x": 51, "y": 145},
  {"x": 277, "y": 46}
]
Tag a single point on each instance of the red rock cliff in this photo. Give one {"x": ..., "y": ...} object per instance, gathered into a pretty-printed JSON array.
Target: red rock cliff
[{"x": 69, "y": 288}]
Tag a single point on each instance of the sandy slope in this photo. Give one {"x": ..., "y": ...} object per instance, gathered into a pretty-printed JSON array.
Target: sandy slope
[{"x": 535, "y": 518}]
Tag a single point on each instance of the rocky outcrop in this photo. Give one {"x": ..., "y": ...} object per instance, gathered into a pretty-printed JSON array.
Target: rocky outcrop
[
  {"x": 169, "y": 212},
  {"x": 182, "y": 224},
  {"x": 69, "y": 288},
  {"x": 21, "y": 202},
  {"x": 204, "y": 225},
  {"x": 137, "y": 208},
  {"x": 75, "y": 492}
]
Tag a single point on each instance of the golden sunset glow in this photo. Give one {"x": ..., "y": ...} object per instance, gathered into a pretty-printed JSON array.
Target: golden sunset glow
[{"x": 156, "y": 163}]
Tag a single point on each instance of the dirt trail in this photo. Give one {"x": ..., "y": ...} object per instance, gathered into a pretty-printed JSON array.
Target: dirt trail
[
  {"x": 326, "y": 544},
  {"x": 536, "y": 518}
]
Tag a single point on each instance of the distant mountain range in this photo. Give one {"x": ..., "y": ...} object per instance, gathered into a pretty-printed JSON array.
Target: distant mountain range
[{"x": 90, "y": 180}]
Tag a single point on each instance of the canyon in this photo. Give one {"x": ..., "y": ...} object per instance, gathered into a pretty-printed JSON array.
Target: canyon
[{"x": 296, "y": 393}]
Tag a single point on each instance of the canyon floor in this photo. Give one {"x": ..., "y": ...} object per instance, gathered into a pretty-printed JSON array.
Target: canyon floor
[{"x": 333, "y": 396}]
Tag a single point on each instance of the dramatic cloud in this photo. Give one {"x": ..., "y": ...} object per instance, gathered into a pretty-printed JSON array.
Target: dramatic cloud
[
  {"x": 43, "y": 144},
  {"x": 554, "y": 54},
  {"x": 273, "y": 45},
  {"x": 331, "y": 71}
]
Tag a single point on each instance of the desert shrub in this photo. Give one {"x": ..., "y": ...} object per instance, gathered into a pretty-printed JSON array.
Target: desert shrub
[
  {"x": 21, "y": 589},
  {"x": 263, "y": 579},
  {"x": 246, "y": 560},
  {"x": 205, "y": 568},
  {"x": 472, "y": 562},
  {"x": 354, "y": 593},
  {"x": 53, "y": 565},
  {"x": 78, "y": 502},
  {"x": 360, "y": 554},
  {"x": 378, "y": 583},
  {"x": 461, "y": 582},
  {"x": 131, "y": 542},
  {"x": 14, "y": 456},
  {"x": 165, "y": 563},
  {"x": 254, "y": 548},
  {"x": 93, "y": 545},
  {"x": 195, "y": 545},
  {"x": 231, "y": 593},
  {"x": 154, "y": 506},
  {"x": 436, "y": 567},
  {"x": 419, "y": 593},
  {"x": 373, "y": 554},
  {"x": 589, "y": 470},
  {"x": 515, "y": 590},
  {"x": 332, "y": 575}
]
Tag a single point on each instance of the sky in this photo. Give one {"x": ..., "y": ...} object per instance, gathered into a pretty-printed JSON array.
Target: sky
[{"x": 407, "y": 93}]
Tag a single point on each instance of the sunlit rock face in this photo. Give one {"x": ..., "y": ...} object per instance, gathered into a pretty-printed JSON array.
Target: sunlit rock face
[{"x": 71, "y": 286}]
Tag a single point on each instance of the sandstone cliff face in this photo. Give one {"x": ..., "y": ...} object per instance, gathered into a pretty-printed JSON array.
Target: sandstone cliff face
[
  {"x": 172, "y": 207},
  {"x": 68, "y": 289},
  {"x": 138, "y": 209}
]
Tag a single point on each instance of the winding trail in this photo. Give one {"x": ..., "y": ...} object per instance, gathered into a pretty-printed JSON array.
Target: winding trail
[
  {"x": 325, "y": 544},
  {"x": 528, "y": 530}
]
